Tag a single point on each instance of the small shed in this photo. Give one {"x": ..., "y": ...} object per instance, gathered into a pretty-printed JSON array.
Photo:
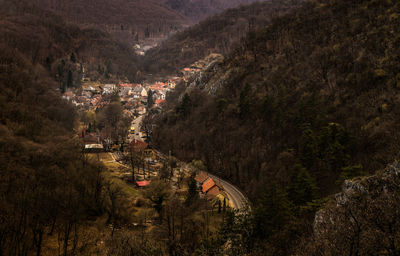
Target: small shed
[
  {"x": 94, "y": 148},
  {"x": 143, "y": 183}
]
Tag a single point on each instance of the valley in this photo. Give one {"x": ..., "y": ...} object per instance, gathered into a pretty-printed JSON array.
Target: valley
[{"x": 166, "y": 127}]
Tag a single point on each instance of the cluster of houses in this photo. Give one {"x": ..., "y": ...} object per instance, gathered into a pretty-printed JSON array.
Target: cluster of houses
[
  {"x": 133, "y": 95},
  {"x": 211, "y": 189},
  {"x": 89, "y": 97}
]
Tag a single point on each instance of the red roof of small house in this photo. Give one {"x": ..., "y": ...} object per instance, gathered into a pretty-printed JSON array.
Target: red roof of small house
[
  {"x": 130, "y": 85},
  {"x": 158, "y": 86},
  {"x": 138, "y": 145},
  {"x": 207, "y": 185},
  {"x": 201, "y": 177},
  {"x": 143, "y": 183},
  {"x": 214, "y": 191}
]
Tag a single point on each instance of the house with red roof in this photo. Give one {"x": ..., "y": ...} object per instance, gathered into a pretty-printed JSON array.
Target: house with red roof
[
  {"x": 207, "y": 185},
  {"x": 127, "y": 89},
  {"x": 130, "y": 85},
  {"x": 158, "y": 102},
  {"x": 138, "y": 145},
  {"x": 201, "y": 177},
  {"x": 143, "y": 183},
  {"x": 213, "y": 192}
]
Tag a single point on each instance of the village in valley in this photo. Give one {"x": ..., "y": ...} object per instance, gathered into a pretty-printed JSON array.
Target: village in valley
[{"x": 112, "y": 131}]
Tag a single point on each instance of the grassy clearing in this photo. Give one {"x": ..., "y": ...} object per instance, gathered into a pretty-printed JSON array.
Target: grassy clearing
[{"x": 105, "y": 157}]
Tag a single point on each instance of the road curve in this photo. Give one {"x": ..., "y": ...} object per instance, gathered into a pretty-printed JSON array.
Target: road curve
[{"x": 238, "y": 199}]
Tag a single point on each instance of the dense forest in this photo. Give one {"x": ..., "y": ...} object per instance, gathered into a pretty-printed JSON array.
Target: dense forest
[
  {"x": 128, "y": 19},
  {"x": 298, "y": 107},
  {"x": 48, "y": 188},
  {"x": 46, "y": 184},
  {"x": 46, "y": 39},
  {"x": 199, "y": 9},
  {"x": 217, "y": 34}
]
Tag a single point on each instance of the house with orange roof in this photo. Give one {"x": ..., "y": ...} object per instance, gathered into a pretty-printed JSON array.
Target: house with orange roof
[
  {"x": 158, "y": 102},
  {"x": 201, "y": 177},
  {"x": 143, "y": 183},
  {"x": 127, "y": 89},
  {"x": 207, "y": 185},
  {"x": 158, "y": 86},
  {"x": 138, "y": 145},
  {"x": 213, "y": 192},
  {"x": 130, "y": 85}
]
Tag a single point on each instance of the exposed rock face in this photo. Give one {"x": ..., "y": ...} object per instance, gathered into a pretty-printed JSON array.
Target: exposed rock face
[
  {"x": 364, "y": 219},
  {"x": 206, "y": 78}
]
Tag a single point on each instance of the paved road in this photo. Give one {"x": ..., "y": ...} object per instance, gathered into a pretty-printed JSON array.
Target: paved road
[
  {"x": 136, "y": 124},
  {"x": 238, "y": 199}
]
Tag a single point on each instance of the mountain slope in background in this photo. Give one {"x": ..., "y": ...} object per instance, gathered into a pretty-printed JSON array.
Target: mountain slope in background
[
  {"x": 46, "y": 38},
  {"x": 130, "y": 19},
  {"x": 200, "y": 9},
  {"x": 217, "y": 34}
]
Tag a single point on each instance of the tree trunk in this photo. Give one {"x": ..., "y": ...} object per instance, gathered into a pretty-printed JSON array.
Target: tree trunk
[{"x": 67, "y": 232}]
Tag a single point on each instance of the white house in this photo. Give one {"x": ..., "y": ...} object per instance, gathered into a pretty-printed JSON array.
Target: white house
[{"x": 109, "y": 88}]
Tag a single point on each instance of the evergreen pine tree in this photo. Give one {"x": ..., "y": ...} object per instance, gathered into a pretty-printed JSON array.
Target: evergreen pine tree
[
  {"x": 150, "y": 100},
  {"x": 272, "y": 213},
  {"x": 302, "y": 188},
  {"x": 193, "y": 194},
  {"x": 73, "y": 58},
  {"x": 70, "y": 80}
]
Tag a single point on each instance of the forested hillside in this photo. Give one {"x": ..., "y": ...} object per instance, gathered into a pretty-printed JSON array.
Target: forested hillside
[
  {"x": 48, "y": 188},
  {"x": 46, "y": 39},
  {"x": 199, "y": 9},
  {"x": 217, "y": 34},
  {"x": 302, "y": 104},
  {"x": 136, "y": 19}
]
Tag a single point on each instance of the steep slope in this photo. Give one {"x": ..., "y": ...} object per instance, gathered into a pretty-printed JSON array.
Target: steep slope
[
  {"x": 48, "y": 190},
  {"x": 218, "y": 34},
  {"x": 200, "y": 9},
  {"x": 46, "y": 38},
  {"x": 41, "y": 172},
  {"x": 132, "y": 19},
  {"x": 301, "y": 105}
]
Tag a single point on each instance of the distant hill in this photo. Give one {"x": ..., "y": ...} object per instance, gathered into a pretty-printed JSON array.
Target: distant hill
[
  {"x": 136, "y": 19},
  {"x": 200, "y": 9},
  {"x": 45, "y": 38},
  {"x": 217, "y": 34}
]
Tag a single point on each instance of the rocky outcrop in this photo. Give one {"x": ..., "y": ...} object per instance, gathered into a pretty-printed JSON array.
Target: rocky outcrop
[
  {"x": 363, "y": 219},
  {"x": 206, "y": 79}
]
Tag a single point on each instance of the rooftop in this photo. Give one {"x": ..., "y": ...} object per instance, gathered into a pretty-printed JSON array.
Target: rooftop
[
  {"x": 201, "y": 177},
  {"x": 207, "y": 185},
  {"x": 143, "y": 183}
]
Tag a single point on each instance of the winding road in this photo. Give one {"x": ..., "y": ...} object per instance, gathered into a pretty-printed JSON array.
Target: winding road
[{"x": 237, "y": 198}]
